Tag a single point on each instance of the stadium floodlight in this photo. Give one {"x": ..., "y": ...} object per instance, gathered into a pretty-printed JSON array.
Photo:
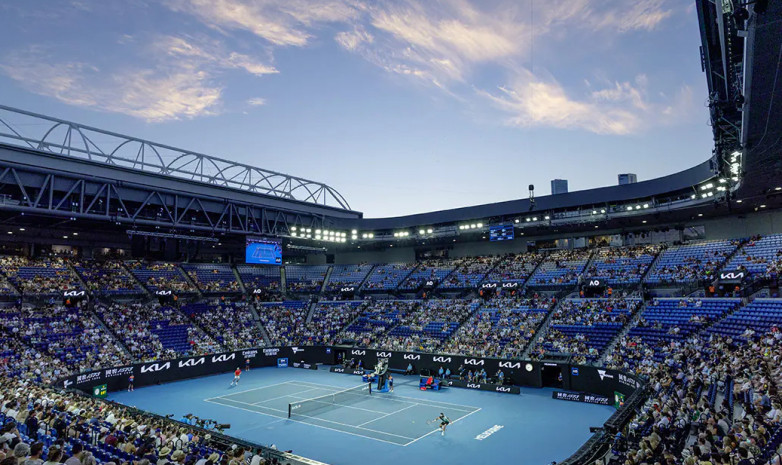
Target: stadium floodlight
[
  {"x": 534, "y": 218},
  {"x": 353, "y": 237},
  {"x": 371, "y": 236},
  {"x": 546, "y": 217},
  {"x": 309, "y": 236},
  {"x": 317, "y": 231},
  {"x": 10, "y": 232},
  {"x": 317, "y": 237},
  {"x": 396, "y": 234},
  {"x": 778, "y": 188},
  {"x": 637, "y": 207},
  {"x": 75, "y": 234},
  {"x": 629, "y": 209},
  {"x": 429, "y": 231},
  {"x": 707, "y": 186},
  {"x": 710, "y": 194},
  {"x": 354, "y": 232},
  {"x": 21, "y": 229},
  {"x": 723, "y": 180},
  {"x": 692, "y": 196},
  {"x": 364, "y": 236},
  {"x": 517, "y": 220},
  {"x": 66, "y": 237},
  {"x": 421, "y": 232},
  {"x": 646, "y": 205},
  {"x": 594, "y": 212},
  {"x": 602, "y": 211},
  {"x": 721, "y": 188},
  {"x": 763, "y": 206},
  {"x": 529, "y": 219},
  {"x": 293, "y": 228},
  {"x": 473, "y": 226},
  {"x": 703, "y": 196},
  {"x": 739, "y": 201},
  {"x": 309, "y": 230},
  {"x": 480, "y": 225}
]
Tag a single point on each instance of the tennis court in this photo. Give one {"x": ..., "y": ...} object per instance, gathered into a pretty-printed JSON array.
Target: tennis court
[{"x": 383, "y": 417}]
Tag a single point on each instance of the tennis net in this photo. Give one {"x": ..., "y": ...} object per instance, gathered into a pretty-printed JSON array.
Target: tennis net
[{"x": 308, "y": 406}]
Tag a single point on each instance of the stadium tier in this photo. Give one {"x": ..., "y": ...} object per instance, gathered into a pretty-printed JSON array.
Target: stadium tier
[
  {"x": 560, "y": 268},
  {"x": 211, "y": 278},
  {"x": 347, "y": 276},
  {"x": 160, "y": 276},
  {"x": 690, "y": 263},
  {"x": 300, "y": 278}
]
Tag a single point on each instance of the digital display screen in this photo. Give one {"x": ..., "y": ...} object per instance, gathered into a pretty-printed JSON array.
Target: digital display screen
[
  {"x": 501, "y": 233},
  {"x": 263, "y": 252}
]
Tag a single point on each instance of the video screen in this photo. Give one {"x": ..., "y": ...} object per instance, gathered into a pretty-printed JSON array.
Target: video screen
[
  {"x": 263, "y": 252},
  {"x": 503, "y": 232}
]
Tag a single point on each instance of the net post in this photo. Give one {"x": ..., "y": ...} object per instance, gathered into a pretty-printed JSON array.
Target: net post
[{"x": 289, "y": 410}]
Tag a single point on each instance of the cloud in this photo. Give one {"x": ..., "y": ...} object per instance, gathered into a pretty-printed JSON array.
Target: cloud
[
  {"x": 257, "y": 101},
  {"x": 352, "y": 40},
  {"x": 282, "y": 23},
  {"x": 619, "y": 109},
  {"x": 211, "y": 53}
]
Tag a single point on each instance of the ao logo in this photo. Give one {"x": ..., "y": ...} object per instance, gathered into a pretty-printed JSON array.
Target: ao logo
[
  {"x": 473, "y": 361},
  {"x": 358, "y": 352},
  {"x": 473, "y": 386},
  {"x": 257, "y": 291},
  {"x": 510, "y": 365},
  {"x": 155, "y": 367},
  {"x": 441, "y": 359},
  {"x": 191, "y": 362},
  {"x": 384, "y": 355},
  {"x": 594, "y": 282},
  {"x": 502, "y": 389},
  {"x": 67, "y": 383},
  {"x": 430, "y": 283},
  {"x": 223, "y": 358},
  {"x": 412, "y": 357}
]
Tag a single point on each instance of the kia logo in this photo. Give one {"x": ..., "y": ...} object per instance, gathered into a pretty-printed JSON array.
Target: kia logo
[
  {"x": 358, "y": 352},
  {"x": 510, "y": 365},
  {"x": 339, "y": 370},
  {"x": 191, "y": 362},
  {"x": 510, "y": 285},
  {"x": 473, "y": 361},
  {"x": 163, "y": 292},
  {"x": 732, "y": 275},
  {"x": 502, "y": 389},
  {"x": 473, "y": 386},
  {"x": 73, "y": 294},
  {"x": 441, "y": 359},
  {"x": 489, "y": 285},
  {"x": 384, "y": 355},
  {"x": 412, "y": 357},
  {"x": 155, "y": 367},
  {"x": 223, "y": 358},
  {"x": 347, "y": 289}
]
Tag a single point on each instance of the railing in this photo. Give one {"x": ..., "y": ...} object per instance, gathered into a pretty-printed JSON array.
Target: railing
[{"x": 68, "y": 139}]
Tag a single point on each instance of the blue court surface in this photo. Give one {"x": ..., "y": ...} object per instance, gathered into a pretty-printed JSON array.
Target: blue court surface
[{"x": 382, "y": 428}]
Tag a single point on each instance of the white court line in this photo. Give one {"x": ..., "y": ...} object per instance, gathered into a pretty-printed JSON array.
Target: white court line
[
  {"x": 343, "y": 406},
  {"x": 315, "y": 418},
  {"x": 248, "y": 390},
  {"x": 397, "y": 398},
  {"x": 280, "y": 397},
  {"x": 388, "y": 414},
  {"x": 438, "y": 429}
]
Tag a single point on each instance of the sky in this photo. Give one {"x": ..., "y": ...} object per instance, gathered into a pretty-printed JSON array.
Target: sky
[{"x": 403, "y": 106}]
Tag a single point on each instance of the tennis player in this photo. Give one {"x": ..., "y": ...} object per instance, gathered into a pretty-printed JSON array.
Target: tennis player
[
  {"x": 237, "y": 373},
  {"x": 444, "y": 422}
]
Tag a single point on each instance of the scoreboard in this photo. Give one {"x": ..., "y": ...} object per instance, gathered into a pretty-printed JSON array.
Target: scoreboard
[{"x": 504, "y": 232}]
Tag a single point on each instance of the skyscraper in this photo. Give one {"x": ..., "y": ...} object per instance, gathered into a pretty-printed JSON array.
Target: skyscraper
[{"x": 558, "y": 186}]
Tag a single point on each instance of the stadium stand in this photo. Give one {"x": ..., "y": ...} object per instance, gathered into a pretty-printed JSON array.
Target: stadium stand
[
  {"x": 434, "y": 270},
  {"x": 232, "y": 324},
  {"x": 428, "y": 325},
  {"x": 282, "y": 320},
  {"x": 501, "y": 328},
  {"x": 515, "y": 268},
  {"x": 760, "y": 257},
  {"x": 387, "y": 277},
  {"x": 375, "y": 320},
  {"x": 690, "y": 263},
  {"x": 561, "y": 268},
  {"x": 212, "y": 277},
  {"x": 160, "y": 276},
  {"x": 328, "y": 319},
  {"x": 584, "y": 327},
  {"x": 622, "y": 265},
  {"x": 42, "y": 276},
  {"x": 301, "y": 278},
  {"x": 469, "y": 272},
  {"x": 759, "y": 317},
  {"x": 347, "y": 275},
  {"x": 263, "y": 278},
  {"x": 106, "y": 278}
]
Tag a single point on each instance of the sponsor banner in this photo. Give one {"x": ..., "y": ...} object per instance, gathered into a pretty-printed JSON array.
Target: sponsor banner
[
  {"x": 499, "y": 285},
  {"x": 164, "y": 371},
  {"x": 732, "y": 277},
  {"x": 582, "y": 397},
  {"x": 282, "y": 362},
  {"x": 306, "y": 366},
  {"x": 74, "y": 295},
  {"x": 595, "y": 282},
  {"x": 483, "y": 386},
  {"x": 348, "y": 371}
]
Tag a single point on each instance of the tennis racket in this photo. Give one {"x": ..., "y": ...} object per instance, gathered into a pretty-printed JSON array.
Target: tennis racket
[{"x": 429, "y": 422}]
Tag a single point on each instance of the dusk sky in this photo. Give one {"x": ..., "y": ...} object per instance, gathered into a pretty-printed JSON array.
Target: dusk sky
[{"x": 404, "y": 106}]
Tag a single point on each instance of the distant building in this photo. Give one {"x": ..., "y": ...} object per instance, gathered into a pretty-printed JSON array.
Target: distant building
[
  {"x": 558, "y": 186},
  {"x": 627, "y": 178}
]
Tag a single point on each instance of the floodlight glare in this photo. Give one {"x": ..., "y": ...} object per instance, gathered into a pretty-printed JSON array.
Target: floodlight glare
[
  {"x": 429, "y": 231},
  {"x": 421, "y": 232}
]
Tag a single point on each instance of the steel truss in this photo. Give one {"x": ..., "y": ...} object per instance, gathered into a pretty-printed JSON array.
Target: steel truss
[
  {"x": 69, "y": 139},
  {"x": 44, "y": 192}
]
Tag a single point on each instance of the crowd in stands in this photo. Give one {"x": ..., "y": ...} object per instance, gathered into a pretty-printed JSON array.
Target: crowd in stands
[
  {"x": 328, "y": 319},
  {"x": 40, "y": 424},
  {"x": 376, "y": 318},
  {"x": 622, "y": 265},
  {"x": 230, "y": 324},
  {"x": 515, "y": 268},
  {"x": 561, "y": 268},
  {"x": 388, "y": 276},
  {"x": 283, "y": 320},
  {"x": 469, "y": 272},
  {"x": 434, "y": 270},
  {"x": 42, "y": 276},
  {"x": 161, "y": 276},
  {"x": 501, "y": 329},
  {"x": 347, "y": 276},
  {"x": 212, "y": 277},
  {"x": 154, "y": 332},
  {"x": 760, "y": 257},
  {"x": 300, "y": 278},
  {"x": 427, "y": 326},
  {"x": 108, "y": 277},
  {"x": 693, "y": 262}
]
